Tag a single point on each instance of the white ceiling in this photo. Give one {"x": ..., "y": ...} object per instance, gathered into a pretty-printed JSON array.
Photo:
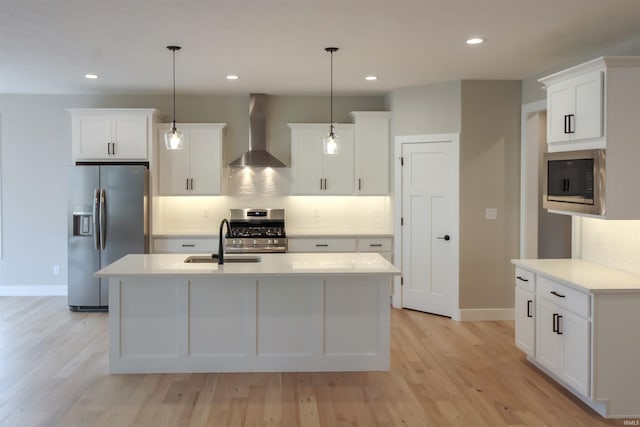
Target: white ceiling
[{"x": 277, "y": 46}]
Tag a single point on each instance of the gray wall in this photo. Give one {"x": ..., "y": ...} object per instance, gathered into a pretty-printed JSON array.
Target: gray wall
[
  {"x": 425, "y": 109},
  {"x": 489, "y": 178},
  {"x": 487, "y": 116},
  {"x": 35, "y": 142}
]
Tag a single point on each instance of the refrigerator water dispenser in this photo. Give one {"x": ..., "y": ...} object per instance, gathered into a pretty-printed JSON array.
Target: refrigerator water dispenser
[{"x": 82, "y": 224}]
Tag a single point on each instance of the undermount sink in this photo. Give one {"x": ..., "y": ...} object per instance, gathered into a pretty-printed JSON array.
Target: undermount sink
[{"x": 227, "y": 259}]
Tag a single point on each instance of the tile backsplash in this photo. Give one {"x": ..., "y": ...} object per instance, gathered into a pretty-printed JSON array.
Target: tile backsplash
[
  {"x": 612, "y": 243},
  {"x": 304, "y": 214}
]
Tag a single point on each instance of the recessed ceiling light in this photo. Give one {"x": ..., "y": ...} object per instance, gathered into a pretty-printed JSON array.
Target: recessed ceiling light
[
  {"x": 475, "y": 40},
  {"x": 232, "y": 77},
  {"x": 91, "y": 76},
  {"x": 371, "y": 78}
]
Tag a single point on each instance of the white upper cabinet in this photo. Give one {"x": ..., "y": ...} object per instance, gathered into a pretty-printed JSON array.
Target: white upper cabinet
[
  {"x": 313, "y": 172},
  {"x": 575, "y": 108},
  {"x": 112, "y": 134},
  {"x": 196, "y": 169},
  {"x": 371, "y": 152},
  {"x": 593, "y": 105}
]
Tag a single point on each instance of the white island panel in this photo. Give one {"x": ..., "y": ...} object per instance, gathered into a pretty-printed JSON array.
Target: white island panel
[
  {"x": 303, "y": 312},
  {"x": 285, "y": 316},
  {"x": 352, "y": 317},
  {"x": 151, "y": 326},
  {"x": 222, "y": 334}
]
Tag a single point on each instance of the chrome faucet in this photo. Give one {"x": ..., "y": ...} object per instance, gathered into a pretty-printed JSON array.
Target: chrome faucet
[{"x": 221, "y": 241}]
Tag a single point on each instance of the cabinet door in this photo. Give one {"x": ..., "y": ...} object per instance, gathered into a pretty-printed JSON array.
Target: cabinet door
[
  {"x": 525, "y": 321},
  {"x": 372, "y": 154},
  {"x": 93, "y": 137},
  {"x": 560, "y": 103},
  {"x": 129, "y": 133},
  {"x": 549, "y": 344},
  {"x": 576, "y": 361},
  {"x": 205, "y": 159},
  {"x": 588, "y": 94},
  {"x": 173, "y": 166},
  {"x": 307, "y": 159},
  {"x": 339, "y": 168}
]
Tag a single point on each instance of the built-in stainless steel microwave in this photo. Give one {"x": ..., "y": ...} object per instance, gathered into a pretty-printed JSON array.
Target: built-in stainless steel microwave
[{"x": 575, "y": 181}]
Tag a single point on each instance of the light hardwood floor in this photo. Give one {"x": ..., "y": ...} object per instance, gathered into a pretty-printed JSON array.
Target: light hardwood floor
[{"x": 53, "y": 372}]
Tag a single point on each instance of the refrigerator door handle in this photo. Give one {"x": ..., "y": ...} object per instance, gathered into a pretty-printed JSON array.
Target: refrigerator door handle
[
  {"x": 103, "y": 218},
  {"x": 96, "y": 221}
]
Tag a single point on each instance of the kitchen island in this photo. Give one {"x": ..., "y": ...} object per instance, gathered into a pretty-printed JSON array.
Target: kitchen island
[{"x": 287, "y": 312}]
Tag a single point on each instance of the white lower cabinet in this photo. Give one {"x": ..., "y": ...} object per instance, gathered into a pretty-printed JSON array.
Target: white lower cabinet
[
  {"x": 525, "y": 321},
  {"x": 381, "y": 245},
  {"x": 563, "y": 344},
  {"x": 184, "y": 245},
  {"x": 584, "y": 330}
]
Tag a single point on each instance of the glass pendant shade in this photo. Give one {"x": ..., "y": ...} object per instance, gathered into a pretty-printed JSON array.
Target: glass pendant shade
[
  {"x": 173, "y": 138},
  {"x": 331, "y": 143}
]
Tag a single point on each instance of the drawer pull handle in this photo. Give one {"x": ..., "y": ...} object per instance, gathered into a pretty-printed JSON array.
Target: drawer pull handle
[
  {"x": 529, "y": 308},
  {"x": 557, "y": 294},
  {"x": 522, "y": 278},
  {"x": 554, "y": 324},
  {"x": 318, "y": 245},
  {"x": 188, "y": 246},
  {"x": 558, "y": 327},
  {"x": 375, "y": 245}
]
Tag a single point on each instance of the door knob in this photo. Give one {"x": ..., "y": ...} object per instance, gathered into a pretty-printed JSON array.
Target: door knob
[{"x": 445, "y": 237}]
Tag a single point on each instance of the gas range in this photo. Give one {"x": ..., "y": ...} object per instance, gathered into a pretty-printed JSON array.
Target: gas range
[{"x": 256, "y": 231}]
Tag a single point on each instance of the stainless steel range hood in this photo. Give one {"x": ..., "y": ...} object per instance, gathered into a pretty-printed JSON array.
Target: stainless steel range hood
[{"x": 257, "y": 154}]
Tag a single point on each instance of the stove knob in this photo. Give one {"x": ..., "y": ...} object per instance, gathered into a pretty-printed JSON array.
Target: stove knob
[
  {"x": 275, "y": 241},
  {"x": 255, "y": 242}
]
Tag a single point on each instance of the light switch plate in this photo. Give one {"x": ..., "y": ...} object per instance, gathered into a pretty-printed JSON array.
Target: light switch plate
[{"x": 491, "y": 214}]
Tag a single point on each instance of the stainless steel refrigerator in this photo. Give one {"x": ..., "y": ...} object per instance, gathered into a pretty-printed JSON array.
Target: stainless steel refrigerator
[{"x": 107, "y": 219}]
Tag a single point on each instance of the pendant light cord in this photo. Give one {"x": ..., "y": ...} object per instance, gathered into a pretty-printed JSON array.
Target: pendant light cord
[
  {"x": 174, "y": 88},
  {"x": 173, "y": 49},
  {"x": 331, "y": 50},
  {"x": 331, "y": 94}
]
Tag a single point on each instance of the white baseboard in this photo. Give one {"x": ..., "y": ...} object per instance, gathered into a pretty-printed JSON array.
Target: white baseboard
[
  {"x": 486, "y": 314},
  {"x": 32, "y": 291}
]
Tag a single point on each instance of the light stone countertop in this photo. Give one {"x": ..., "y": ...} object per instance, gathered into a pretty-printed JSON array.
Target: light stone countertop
[
  {"x": 290, "y": 264},
  {"x": 583, "y": 275}
]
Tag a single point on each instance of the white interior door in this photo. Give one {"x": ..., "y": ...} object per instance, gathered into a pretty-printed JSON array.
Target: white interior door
[{"x": 430, "y": 226}]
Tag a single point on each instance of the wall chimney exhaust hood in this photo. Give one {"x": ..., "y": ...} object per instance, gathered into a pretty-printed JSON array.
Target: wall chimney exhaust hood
[{"x": 257, "y": 154}]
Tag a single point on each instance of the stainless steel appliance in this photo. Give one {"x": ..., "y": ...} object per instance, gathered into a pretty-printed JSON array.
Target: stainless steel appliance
[
  {"x": 256, "y": 231},
  {"x": 575, "y": 181},
  {"x": 107, "y": 219}
]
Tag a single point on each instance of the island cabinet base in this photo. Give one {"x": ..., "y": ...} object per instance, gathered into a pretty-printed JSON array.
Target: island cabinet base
[{"x": 249, "y": 324}]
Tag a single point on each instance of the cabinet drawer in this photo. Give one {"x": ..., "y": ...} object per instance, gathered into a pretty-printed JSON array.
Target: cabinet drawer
[
  {"x": 374, "y": 245},
  {"x": 168, "y": 245},
  {"x": 525, "y": 279},
  {"x": 563, "y": 296},
  {"x": 322, "y": 245}
]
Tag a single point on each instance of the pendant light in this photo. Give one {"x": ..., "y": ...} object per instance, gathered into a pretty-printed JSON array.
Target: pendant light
[
  {"x": 331, "y": 142},
  {"x": 173, "y": 138}
]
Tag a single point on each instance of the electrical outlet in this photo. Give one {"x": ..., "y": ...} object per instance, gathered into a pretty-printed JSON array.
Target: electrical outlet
[
  {"x": 491, "y": 214},
  {"x": 56, "y": 270}
]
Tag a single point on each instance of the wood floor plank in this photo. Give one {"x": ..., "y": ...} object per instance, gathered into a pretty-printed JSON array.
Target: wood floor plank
[{"x": 53, "y": 372}]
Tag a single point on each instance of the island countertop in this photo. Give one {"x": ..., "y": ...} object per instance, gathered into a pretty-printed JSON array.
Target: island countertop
[{"x": 290, "y": 264}]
